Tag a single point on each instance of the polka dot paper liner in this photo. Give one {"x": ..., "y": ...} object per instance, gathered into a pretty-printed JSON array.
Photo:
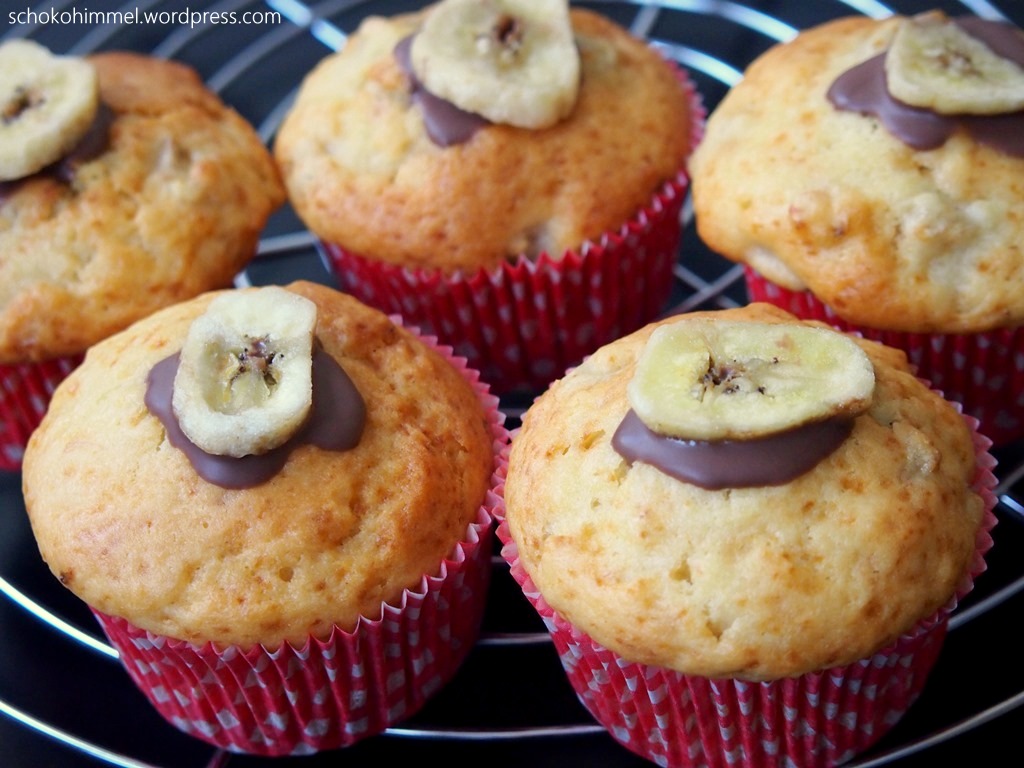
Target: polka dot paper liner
[
  {"x": 327, "y": 694},
  {"x": 823, "y": 718},
  {"x": 25, "y": 392},
  {"x": 525, "y": 323},
  {"x": 982, "y": 371}
]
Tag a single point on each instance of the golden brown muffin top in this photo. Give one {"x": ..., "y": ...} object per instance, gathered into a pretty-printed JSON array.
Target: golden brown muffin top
[
  {"x": 828, "y": 200},
  {"x": 172, "y": 208},
  {"x": 755, "y": 583},
  {"x": 362, "y": 172},
  {"x": 124, "y": 521}
]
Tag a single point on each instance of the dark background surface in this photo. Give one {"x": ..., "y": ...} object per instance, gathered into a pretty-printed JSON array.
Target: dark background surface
[{"x": 65, "y": 704}]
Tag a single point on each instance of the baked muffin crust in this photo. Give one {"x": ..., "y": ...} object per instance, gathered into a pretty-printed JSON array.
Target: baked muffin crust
[
  {"x": 362, "y": 172},
  {"x": 124, "y": 521},
  {"x": 173, "y": 207},
  {"x": 817, "y": 198},
  {"x": 755, "y": 583}
]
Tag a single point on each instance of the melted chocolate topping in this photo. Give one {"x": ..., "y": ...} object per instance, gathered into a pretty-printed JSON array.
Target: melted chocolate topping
[
  {"x": 863, "y": 89},
  {"x": 335, "y": 423},
  {"x": 446, "y": 124},
  {"x": 714, "y": 465},
  {"x": 94, "y": 143}
]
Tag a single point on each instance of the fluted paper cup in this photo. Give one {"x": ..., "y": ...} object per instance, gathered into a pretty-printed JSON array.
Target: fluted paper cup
[
  {"x": 982, "y": 371},
  {"x": 25, "y": 392}
]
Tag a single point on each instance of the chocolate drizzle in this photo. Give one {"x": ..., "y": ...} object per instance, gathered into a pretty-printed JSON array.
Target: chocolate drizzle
[
  {"x": 863, "y": 89},
  {"x": 94, "y": 143},
  {"x": 445, "y": 123},
  {"x": 714, "y": 465},
  {"x": 335, "y": 423}
]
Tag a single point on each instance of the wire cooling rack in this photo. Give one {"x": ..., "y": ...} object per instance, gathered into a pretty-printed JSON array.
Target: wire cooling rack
[{"x": 64, "y": 699}]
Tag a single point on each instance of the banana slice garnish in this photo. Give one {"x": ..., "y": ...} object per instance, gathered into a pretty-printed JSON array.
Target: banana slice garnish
[
  {"x": 47, "y": 104},
  {"x": 244, "y": 382},
  {"x": 932, "y": 63},
  {"x": 514, "y": 62},
  {"x": 701, "y": 380}
]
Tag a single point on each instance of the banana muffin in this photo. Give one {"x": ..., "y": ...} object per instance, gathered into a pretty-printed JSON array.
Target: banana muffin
[
  {"x": 126, "y": 186},
  {"x": 506, "y": 174},
  {"x": 849, "y": 203},
  {"x": 708, "y": 521},
  {"x": 325, "y": 540}
]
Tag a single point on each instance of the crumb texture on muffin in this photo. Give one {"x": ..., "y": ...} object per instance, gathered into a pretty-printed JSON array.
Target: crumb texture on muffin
[
  {"x": 174, "y": 206},
  {"x": 362, "y": 172},
  {"x": 122, "y": 519},
  {"x": 755, "y": 583},
  {"x": 817, "y": 198}
]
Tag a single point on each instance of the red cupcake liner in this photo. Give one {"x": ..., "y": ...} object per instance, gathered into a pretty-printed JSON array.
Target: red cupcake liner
[
  {"x": 983, "y": 371},
  {"x": 329, "y": 693},
  {"x": 25, "y": 393},
  {"x": 822, "y": 718},
  {"x": 523, "y": 324}
]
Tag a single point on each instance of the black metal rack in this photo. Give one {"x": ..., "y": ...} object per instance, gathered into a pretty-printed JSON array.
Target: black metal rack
[{"x": 64, "y": 699}]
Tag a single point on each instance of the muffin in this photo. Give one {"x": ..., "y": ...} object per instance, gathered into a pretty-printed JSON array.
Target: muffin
[
  {"x": 774, "y": 596},
  {"x": 143, "y": 191},
  {"x": 319, "y": 577},
  {"x": 525, "y": 244},
  {"x": 903, "y": 222}
]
